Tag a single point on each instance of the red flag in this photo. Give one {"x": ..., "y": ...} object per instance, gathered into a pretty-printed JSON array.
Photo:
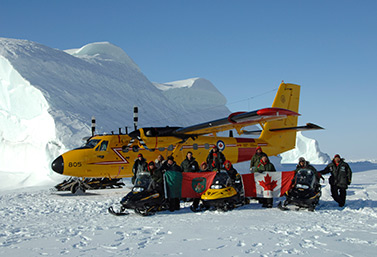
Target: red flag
[
  {"x": 267, "y": 184},
  {"x": 194, "y": 184}
]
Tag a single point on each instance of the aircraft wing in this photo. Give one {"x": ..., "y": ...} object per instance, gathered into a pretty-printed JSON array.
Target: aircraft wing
[{"x": 237, "y": 120}]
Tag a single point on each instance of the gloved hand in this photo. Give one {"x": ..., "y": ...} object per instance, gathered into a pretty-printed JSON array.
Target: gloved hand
[{"x": 321, "y": 177}]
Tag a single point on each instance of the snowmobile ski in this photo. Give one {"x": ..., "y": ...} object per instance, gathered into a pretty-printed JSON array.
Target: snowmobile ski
[
  {"x": 283, "y": 208},
  {"x": 122, "y": 212}
]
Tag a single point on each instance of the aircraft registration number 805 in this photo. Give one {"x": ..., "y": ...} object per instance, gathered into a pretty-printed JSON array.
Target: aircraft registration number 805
[{"x": 74, "y": 164}]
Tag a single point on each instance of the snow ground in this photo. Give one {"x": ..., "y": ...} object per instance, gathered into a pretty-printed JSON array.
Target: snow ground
[{"x": 36, "y": 221}]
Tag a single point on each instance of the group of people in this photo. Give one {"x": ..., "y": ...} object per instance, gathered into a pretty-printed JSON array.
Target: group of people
[
  {"x": 341, "y": 174},
  {"x": 215, "y": 161},
  {"x": 340, "y": 178}
]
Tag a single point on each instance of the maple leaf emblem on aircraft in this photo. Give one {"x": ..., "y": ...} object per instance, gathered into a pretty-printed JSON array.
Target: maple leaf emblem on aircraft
[{"x": 268, "y": 184}]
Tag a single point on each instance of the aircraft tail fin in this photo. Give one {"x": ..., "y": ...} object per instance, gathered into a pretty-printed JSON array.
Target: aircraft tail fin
[{"x": 274, "y": 132}]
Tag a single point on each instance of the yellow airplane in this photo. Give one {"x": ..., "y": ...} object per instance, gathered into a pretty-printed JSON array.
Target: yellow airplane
[{"x": 112, "y": 156}]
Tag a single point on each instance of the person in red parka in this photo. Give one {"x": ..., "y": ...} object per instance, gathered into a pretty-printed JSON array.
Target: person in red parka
[{"x": 215, "y": 159}]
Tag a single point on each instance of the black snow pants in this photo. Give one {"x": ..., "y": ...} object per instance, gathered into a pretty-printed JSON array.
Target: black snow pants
[
  {"x": 174, "y": 204},
  {"x": 339, "y": 195}
]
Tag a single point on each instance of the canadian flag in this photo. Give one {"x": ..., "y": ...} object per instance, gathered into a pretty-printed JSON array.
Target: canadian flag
[{"x": 267, "y": 184}]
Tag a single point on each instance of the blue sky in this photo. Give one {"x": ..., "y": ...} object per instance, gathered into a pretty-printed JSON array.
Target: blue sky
[{"x": 245, "y": 48}]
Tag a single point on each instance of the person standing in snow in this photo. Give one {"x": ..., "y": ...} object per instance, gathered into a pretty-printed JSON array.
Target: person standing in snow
[
  {"x": 171, "y": 165},
  {"x": 265, "y": 165},
  {"x": 340, "y": 179},
  {"x": 215, "y": 159},
  {"x": 255, "y": 160},
  {"x": 189, "y": 164},
  {"x": 140, "y": 165}
]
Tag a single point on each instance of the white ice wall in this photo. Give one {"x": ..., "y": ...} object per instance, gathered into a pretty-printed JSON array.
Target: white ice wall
[
  {"x": 307, "y": 148},
  {"x": 27, "y": 131}
]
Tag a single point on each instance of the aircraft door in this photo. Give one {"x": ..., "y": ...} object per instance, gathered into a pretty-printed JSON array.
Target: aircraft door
[
  {"x": 102, "y": 149},
  {"x": 98, "y": 156}
]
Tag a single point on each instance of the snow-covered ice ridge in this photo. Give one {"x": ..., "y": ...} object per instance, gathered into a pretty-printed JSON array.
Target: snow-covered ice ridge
[
  {"x": 307, "y": 148},
  {"x": 48, "y": 96}
]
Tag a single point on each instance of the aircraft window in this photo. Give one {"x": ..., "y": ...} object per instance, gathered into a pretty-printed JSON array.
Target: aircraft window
[
  {"x": 206, "y": 146},
  {"x": 195, "y": 146},
  {"x": 103, "y": 146},
  {"x": 161, "y": 149},
  {"x": 135, "y": 148},
  {"x": 170, "y": 148},
  {"x": 150, "y": 133},
  {"x": 92, "y": 143}
]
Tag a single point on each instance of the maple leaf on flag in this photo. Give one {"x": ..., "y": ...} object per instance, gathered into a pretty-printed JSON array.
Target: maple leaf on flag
[{"x": 267, "y": 184}]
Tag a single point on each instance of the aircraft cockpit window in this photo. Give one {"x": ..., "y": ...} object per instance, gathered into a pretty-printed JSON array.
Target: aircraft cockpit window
[
  {"x": 103, "y": 146},
  {"x": 92, "y": 143}
]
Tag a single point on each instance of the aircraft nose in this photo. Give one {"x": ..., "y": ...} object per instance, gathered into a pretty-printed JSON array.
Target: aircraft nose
[{"x": 58, "y": 165}]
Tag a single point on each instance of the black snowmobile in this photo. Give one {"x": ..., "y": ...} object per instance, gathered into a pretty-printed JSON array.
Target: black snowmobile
[
  {"x": 305, "y": 192},
  {"x": 223, "y": 193},
  {"x": 145, "y": 198}
]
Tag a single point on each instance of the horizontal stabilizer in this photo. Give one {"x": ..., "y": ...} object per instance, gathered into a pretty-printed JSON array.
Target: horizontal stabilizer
[{"x": 309, "y": 126}]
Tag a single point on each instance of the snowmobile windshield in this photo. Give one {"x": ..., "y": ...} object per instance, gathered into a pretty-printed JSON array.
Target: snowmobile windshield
[
  {"x": 143, "y": 180},
  {"x": 222, "y": 179},
  {"x": 305, "y": 179}
]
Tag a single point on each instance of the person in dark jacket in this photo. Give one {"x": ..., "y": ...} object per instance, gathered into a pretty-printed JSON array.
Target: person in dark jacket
[
  {"x": 304, "y": 164},
  {"x": 189, "y": 164},
  {"x": 157, "y": 176},
  {"x": 234, "y": 175},
  {"x": 340, "y": 179},
  {"x": 140, "y": 165},
  {"x": 215, "y": 159},
  {"x": 255, "y": 160},
  {"x": 171, "y": 165},
  {"x": 265, "y": 165},
  {"x": 159, "y": 161},
  {"x": 232, "y": 172}
]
